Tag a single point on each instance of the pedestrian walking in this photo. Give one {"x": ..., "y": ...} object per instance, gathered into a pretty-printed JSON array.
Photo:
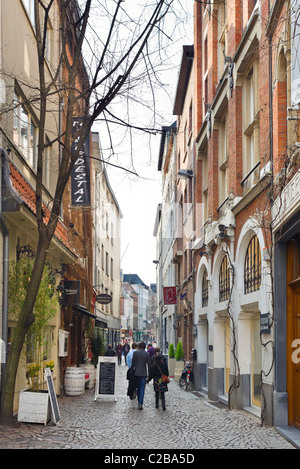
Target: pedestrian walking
[
  {"x": 151, "y": 351},
  {"x": 141, "y": 365},
  {"x": 158, "y": 352},
  {"x": 119, "y": 350},
  {"x": 126, "y": 348},
  {"x": 110, "y": 352},
  {"x": 158, "y": 369},
  {"x": 130, "y": 353},
  {"x": 132, "y": 380}
]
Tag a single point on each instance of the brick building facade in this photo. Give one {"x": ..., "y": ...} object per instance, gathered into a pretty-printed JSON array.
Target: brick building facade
[{"x": 237, "y": 132}]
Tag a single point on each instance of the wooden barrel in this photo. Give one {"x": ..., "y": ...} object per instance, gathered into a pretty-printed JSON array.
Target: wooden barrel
[
  {"x": 74, "y": 384},
  {"x": 91, "y": 371}
]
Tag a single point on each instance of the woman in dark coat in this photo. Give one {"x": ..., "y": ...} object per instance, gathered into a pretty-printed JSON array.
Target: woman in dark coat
[
  {"x": 156, "y": 370},
  {"x": 119, "y": 350}
]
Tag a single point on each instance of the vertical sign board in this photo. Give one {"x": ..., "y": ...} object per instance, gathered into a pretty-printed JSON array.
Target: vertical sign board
[
  {"x": 106, "y": 377},
  {"x": 71, "y": 292},
  {"x": 53, "y": 399},
  {"x": 169, "y": 295},
  {"x": 80, "y": 176}
]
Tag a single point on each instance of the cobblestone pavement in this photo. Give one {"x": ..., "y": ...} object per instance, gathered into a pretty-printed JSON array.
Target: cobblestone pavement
[{"x": 189, "y": 422}]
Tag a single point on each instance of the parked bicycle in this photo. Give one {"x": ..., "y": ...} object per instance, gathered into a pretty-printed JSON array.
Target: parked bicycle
[{"x": 186, "y": 380}]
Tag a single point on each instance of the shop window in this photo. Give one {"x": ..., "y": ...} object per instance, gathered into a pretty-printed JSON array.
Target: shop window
[{"x": 252, "y": 267}]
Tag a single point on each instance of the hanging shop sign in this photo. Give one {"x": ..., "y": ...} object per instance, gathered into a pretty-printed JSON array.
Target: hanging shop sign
[
  {"x": 71, "y": 292},
  {"x": 169, "y": 295},
  {"x": 104, "y": 299},
  {"x": 80, "y": 176}
]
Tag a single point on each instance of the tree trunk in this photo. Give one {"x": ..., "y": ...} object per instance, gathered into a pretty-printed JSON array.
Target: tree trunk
[{"x": 25, "y": 319}]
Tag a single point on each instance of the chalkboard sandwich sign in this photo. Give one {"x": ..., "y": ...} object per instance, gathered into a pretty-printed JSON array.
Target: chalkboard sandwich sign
[{"x": 106, "y": 377}]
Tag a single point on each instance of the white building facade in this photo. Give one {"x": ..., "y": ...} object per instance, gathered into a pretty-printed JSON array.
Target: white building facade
[{"x": 107, "y": 274}]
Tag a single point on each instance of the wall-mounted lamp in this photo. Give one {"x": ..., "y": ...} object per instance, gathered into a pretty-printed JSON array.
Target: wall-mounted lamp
[
  {"x": 185, "y": 173},
  {"x": 228, "y": 60},
  {"x": 223, "y": 231},
  {"x": 223, "y": 235},
  {"x": 25, "y": 251}
]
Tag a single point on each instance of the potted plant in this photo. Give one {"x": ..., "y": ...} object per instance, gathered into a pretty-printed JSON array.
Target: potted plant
[
  {"x": 172, "y": 360},
  {"x": 34, "y": 403},
  {"x": 97, "y": 346},
  {"x": 49, "y": 364},
  {"x": 179, "y": 352},
  {"x": 179, "y": 361}
]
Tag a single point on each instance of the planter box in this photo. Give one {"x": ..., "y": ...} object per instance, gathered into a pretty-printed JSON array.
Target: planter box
[
  {"x": 34, "y": 407},
  {"x": 179, "y": 366},
  {"x": 172, "y": 362}
]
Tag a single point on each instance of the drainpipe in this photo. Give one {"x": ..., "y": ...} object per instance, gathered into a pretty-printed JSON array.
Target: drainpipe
[
  {"x": 271, "y": 100},
  {"x": 5, "y": 267}
]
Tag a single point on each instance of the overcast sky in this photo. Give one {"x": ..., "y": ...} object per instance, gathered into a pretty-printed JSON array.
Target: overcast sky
[{"x": 139, "y": 197}]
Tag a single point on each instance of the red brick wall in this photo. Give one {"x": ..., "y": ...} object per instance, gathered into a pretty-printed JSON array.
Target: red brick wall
[
  {"x": 212, "y": 160},
  {"x": 197, "y": 68},
  {"x": 235, "y": 142},
  {"x": 279, "y": 126}
]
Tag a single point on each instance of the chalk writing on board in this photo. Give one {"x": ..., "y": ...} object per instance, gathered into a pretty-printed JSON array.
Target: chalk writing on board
[
  {"x": 53, "y": 399},
  {"x": 107, "y": 378}
]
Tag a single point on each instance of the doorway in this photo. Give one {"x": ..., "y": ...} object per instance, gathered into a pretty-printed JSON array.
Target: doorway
[
  {"x": 227, "y": 355},
  {"x": 293, "y": 331},
  {"x": 256, "y": 360}
]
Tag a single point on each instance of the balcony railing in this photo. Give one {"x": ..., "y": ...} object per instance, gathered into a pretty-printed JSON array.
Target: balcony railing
[{"x": 251, "y": 179}]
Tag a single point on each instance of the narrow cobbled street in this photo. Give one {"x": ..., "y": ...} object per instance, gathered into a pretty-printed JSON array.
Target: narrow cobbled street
[{"x": 190, "y": 422}]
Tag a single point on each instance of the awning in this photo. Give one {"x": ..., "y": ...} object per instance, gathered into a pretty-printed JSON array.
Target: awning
[
  {"x": 100, "y": 323},
  {"x": 84, "y": 310}
]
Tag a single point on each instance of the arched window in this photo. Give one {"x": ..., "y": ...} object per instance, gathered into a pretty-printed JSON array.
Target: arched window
[
  {"x": 204, "y": 289},
  {"x": 224, "y": 281},
  {"x": 252, "y": 268}
]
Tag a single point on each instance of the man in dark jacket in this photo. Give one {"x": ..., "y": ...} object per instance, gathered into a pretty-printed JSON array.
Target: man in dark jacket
[
  {"x": 151, "y": 351},
  {"x": 141, "y": 363},
  {"x": 126, "y": 348},
  {"x": 110, "y": 352}
]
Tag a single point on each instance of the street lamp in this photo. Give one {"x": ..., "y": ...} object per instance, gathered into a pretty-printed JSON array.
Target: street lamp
[{"x": 185, "y": 173}]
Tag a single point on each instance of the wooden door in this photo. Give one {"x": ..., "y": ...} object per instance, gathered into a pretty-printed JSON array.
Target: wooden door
[
  {"x": 295, "y": 357},
  {"x": 293, "y": 333}
]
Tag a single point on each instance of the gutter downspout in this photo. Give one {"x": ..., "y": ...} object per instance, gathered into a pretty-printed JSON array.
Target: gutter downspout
[
  {"x": 271, "y": 101},
  {"x": 5, "y": 267}
]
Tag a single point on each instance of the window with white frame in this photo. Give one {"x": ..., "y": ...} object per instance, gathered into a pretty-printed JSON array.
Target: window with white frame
[
  {"x": 222, "y": 36},
  {"x": 112, "y": 268},
  {"x": 46, "y": 165},
  {"x": 49, "y": 42},
  {"x": 223, "y": 160},
  {"x": 251, "y": 154},
  {"x": 205, "y": 289},
  {"x": 295, "y": 53},
  {"x": 25, "y": 132},
  {"x": 205, "y": 185},
  {"x": 252, "y": 266},
  {"x": 29, "y": 7},
  {"x": 224, "y": 280}
]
